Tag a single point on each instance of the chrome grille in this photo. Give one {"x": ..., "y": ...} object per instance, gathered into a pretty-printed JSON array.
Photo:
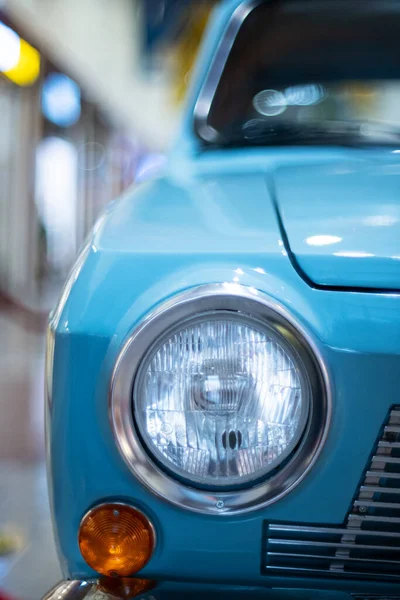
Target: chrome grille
[{"x": 368, "y": 545}]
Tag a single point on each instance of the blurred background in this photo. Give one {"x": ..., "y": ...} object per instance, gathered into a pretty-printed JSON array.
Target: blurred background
[{"x": 91, "y": 93}]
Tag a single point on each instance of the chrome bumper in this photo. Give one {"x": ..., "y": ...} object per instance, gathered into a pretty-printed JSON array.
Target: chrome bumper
[
  {"x": 101, "y": 589},
  {"x": 147, "y": 590},
  {"x": 98, "y": 590},
  {"x": 74, "y": 590}
]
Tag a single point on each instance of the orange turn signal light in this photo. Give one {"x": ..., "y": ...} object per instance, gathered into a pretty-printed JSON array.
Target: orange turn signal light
[{"x": 116, "y": 540}]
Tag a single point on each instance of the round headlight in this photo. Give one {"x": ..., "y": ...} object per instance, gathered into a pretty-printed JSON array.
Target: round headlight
[{"x": 221, "y": 400}]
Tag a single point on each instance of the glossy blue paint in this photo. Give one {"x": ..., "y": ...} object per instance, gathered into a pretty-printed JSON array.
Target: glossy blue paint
[
  {"x": 210, "y": 219},
  {"x": 134, "y": 265},
  {"x": 343, "y": 221}
]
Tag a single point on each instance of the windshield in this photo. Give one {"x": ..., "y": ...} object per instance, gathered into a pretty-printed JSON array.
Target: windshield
[{"x": 310, "y": 71}]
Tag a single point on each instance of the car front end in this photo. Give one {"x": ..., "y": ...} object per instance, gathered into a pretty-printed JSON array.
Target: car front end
[{"x": 223, "y": 410}]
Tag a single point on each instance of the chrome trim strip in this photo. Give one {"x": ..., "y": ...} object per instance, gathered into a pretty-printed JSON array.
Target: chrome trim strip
[
  {"x": 372, "y": 504},
  {"x": 375, "y": 489},
  {"x": 389, "y": 445},
  {"x": 380, "y": 474},
  {"x": 73, "y": 590},
  {"x": 386, "y": 459},
  {"x": 330, "y": 531},
  {"x": 207, "y": 92},
  {"x": 214, "y": 297},
  {"x": 338, "y": 558},
  {"x": 332, "y": 573},
  {"x": 392, "y": 429},
  {"x": 347, "y": 545},
  {"x": 359, "y": 519}
]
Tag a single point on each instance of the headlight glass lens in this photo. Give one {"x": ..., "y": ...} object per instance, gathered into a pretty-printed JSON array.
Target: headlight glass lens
[{"x": 221, "y": 401}]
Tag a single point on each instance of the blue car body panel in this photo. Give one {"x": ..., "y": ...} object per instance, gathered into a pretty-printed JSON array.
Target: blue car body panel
[
  {"x": 215, "y": 217},
  {"x": 343, "y": 221},
  {"x": 132, "y": 266}
]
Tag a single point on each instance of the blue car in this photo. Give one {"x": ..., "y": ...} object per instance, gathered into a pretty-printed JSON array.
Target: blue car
[{"x": 223, "y": 367}]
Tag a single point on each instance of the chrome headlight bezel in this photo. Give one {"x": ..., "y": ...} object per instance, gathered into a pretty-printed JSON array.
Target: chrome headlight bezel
[{"x": 214, "y": 298}]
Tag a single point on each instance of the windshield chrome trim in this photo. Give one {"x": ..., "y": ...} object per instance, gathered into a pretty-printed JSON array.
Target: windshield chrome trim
[
  {"x": 207, "y": 92},
  {"x": 242, "y": 300}
]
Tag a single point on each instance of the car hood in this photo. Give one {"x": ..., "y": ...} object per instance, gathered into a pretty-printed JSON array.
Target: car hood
[{"x": 342, "y": 223}]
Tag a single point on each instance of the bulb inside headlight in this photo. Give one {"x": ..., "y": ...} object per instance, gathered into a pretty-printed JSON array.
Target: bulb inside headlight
[{"x": 221, "y": 401}]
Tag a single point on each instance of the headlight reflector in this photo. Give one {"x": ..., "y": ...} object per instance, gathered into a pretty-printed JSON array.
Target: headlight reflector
[{"x": 221, "y": 400}]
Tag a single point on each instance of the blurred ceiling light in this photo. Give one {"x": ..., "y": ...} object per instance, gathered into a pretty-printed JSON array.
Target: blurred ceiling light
[
  {"x": 323, "y": 240},
  {"x": 270, "y": 103},
  {"x": 305, "y": 95},
  {"x": 27, "y": 71},
  {"x": 19, "y": 61},
  {"x": 9, "y": 48},
  {"x": 61, "y": 100},
  {"x": 56, "y": 185}
]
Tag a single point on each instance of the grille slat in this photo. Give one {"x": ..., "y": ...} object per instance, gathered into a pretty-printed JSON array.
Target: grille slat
[
  {"x": 331, "y": 573},
  {"x": 392, "y": 429},
  {"x": 333, "y": 531},
  {"x": 372, "y": 504},
  {"x": 334, "y": 558},
  {"x": 383, "y": 458},
  {"x": 381, "y": 474},
  {"x": 367, "y": 546},
  {"x": 365, "y": 518},
  {"x": 343, "y": 545},
  {"x": 389, "y": 445},
  {"x": 379, "y": 489}
]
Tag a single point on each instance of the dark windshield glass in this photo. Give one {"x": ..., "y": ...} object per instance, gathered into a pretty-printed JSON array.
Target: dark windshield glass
[{"x": 311, "y": 71}]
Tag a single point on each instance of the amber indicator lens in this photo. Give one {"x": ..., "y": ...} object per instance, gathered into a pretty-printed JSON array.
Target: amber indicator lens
[{"x": 116, "y": 540}]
